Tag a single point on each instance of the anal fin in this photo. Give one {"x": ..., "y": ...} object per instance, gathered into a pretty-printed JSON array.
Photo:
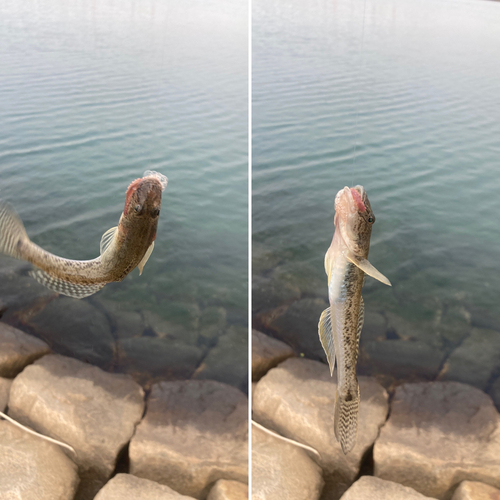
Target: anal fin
[
  {"x": 75, "y": 290},
  {"x": 326, "y": 337}
]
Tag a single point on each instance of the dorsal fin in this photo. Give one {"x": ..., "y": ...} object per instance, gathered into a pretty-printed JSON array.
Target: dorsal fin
[
  {"x": 107, "y": 238},
  {"x": 148, "y": 253}
]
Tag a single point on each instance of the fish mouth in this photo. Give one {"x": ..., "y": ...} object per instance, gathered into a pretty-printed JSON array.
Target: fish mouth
[
  {"x": 351, "y": 198},
  {"x": 159, "y": 177}
]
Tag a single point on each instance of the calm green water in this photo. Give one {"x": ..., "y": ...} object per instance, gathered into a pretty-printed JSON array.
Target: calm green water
[
  {"x": 92, "y": 94},
  {"x": 401, "y": 97}
]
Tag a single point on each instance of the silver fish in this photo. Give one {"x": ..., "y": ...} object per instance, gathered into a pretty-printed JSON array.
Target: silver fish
[
  {"x": 123, "y": 247},
  {"x": 340, "y": 325}
]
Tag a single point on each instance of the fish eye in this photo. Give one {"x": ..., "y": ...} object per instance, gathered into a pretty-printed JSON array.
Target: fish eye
[
  {"x": 155, "y": 213},
  {"x": 371, "y": 220},
  {"x": 137, "y": 208}
]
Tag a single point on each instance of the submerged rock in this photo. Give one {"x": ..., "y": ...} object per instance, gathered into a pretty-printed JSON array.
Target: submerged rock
[
  {"x": 93, "y": 411},
  {"x": 495, "y": 392},
  {"x": 32, "y": 468},
  {"x": 373, "y": 488},
  {"x": 267, "y": 352},
  {"x": 282, "y": 471},
  {"x": 298, "y": 326},
  {"x": 129, "y": 487},
  {"x": 296, "y": 399},
  {"x": 5, "y": 384},
  {"x": 475, "y": 360},
  {"x": 437, "y": 435},
  {"x": 75, "y": 328},
  {"x": 18, "y": 349},
  {"x": 228, "y": 361},
  {"x": 401, "y": 358},
  {"x": 228, "y": 490},
  {"x": 268, "y": 293},
  {"x": 194, "y": 433},
  {"x": 472, "y": 490}
]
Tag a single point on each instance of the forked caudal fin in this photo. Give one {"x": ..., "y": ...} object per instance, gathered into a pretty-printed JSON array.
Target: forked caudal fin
[
  {"x": 345, "y": 423},
  {"x": 12, "y": 231}
]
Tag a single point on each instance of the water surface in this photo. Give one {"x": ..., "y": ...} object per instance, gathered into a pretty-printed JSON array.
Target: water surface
[{"x": 400, "y": 97}]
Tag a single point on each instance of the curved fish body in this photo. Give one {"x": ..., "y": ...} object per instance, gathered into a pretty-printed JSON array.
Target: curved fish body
[
  {"x": 340, "y": 325},
  {"x": 123, "y": 248}
]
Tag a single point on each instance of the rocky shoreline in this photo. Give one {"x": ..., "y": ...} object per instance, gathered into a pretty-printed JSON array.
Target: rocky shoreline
[
  {"x": 435, "y": 440},
  {"x": 178, "y": 440}
]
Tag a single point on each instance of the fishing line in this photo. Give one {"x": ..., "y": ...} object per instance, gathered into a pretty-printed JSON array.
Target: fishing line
[{"x": 356, "y": 131}]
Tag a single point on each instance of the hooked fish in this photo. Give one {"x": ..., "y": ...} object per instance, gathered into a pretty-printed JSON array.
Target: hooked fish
[
  {"x": 340, "y": 325},
  {"x": 123, "y": 248}
]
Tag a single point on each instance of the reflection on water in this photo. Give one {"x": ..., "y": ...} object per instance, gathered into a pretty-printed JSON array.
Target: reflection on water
[
  {"x": 93, "y": 94},
  {"x": 401, "y": 98}
]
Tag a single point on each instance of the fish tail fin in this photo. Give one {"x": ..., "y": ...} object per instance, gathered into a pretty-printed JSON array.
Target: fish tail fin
[
  {"x": 346, "y": 419},
  {"x": 12, "y": 232}
]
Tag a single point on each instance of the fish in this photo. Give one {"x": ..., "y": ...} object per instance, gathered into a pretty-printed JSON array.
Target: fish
[
  {"x": 122, "y": 249},
  {"x": 346, "y": 265}
]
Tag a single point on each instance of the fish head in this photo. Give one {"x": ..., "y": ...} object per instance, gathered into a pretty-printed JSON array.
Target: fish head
[
  {"x": 143, "y": 199},
  {"x": 354, "y": 219}
]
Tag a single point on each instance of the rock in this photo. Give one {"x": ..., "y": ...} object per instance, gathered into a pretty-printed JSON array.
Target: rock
[
  {"x": 212, "y": 325},
  {"x": 298, "y": 327},
  {"x": 475, "y": 360},
  {"x": 282, "y": 471},
  {"x": 374, "y": 327},
  {"x": 5, "y": 384},
  {"x": 129, "y": 487},
  {"x": 472, "y": 490},
  {"x": 18, "y": 349},
  {"x": 228, "y": 490},
  {"x": 126, "y": 322},
  {"x": 153, "y": 357},
  {"x": 93, "y": 411},
  {"x": 269, "y": 294},
  {"x": 494, "y": 392},
  {"x": 194, "y": 433},
  {"x": 437, "y": 435},
  {"x": 401, "y": 358},
  {"x": 32, "y": 468},
  {"x": 228, "y": 361},
  {"x": 186, "y": 333},
  {"x": 378, "y": 489},
  {"x": 296, "y": 399},
  {"x": 416, "y": 331},
  {"x": 75, "y": 328},
  {"x": 267, "y": 352},
  {"x": 310, "y": 280}
]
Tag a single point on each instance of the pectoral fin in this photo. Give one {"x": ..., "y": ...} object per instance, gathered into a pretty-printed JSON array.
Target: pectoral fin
[
  {"x": 107, "y": 238},
  {"x": 148, "y": 253},
  {"x": 366, "y": 267},
  {"x": 326, "y": 337}
]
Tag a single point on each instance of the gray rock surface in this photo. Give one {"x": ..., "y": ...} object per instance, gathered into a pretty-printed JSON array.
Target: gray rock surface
[
  {"x": 164, "y": 357},
  {"x": 18, "y": 349},
  {"x": 494, "y": 392},
  {"x": 5, "y": 384},
  {"x": 402, "y": 358},
  {"x": 75, "y": 328},
  {"x": 475, "y": 360},
  {"x": 302, "y": 316},
  {"x": 93, "y": 411},
  {"x": 437, "y": 435},
  {"x": 194, "y": 433},
  {"x": 267, "y": 352},
  {"x": 282, "y": 471},
  {"x": 472, "y": 490},
  {"x": 296, "y": 399},
  {"x": 129, "y": 487},
  {"x": 373, "y": 488},
  {"x": 32, "y": 468},
  {"x": 228, "y": 361},
  {"x": 225, "y": 489}
]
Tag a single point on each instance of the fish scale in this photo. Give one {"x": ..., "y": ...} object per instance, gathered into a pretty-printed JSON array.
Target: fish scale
[{"x": 340, "y": 325}]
